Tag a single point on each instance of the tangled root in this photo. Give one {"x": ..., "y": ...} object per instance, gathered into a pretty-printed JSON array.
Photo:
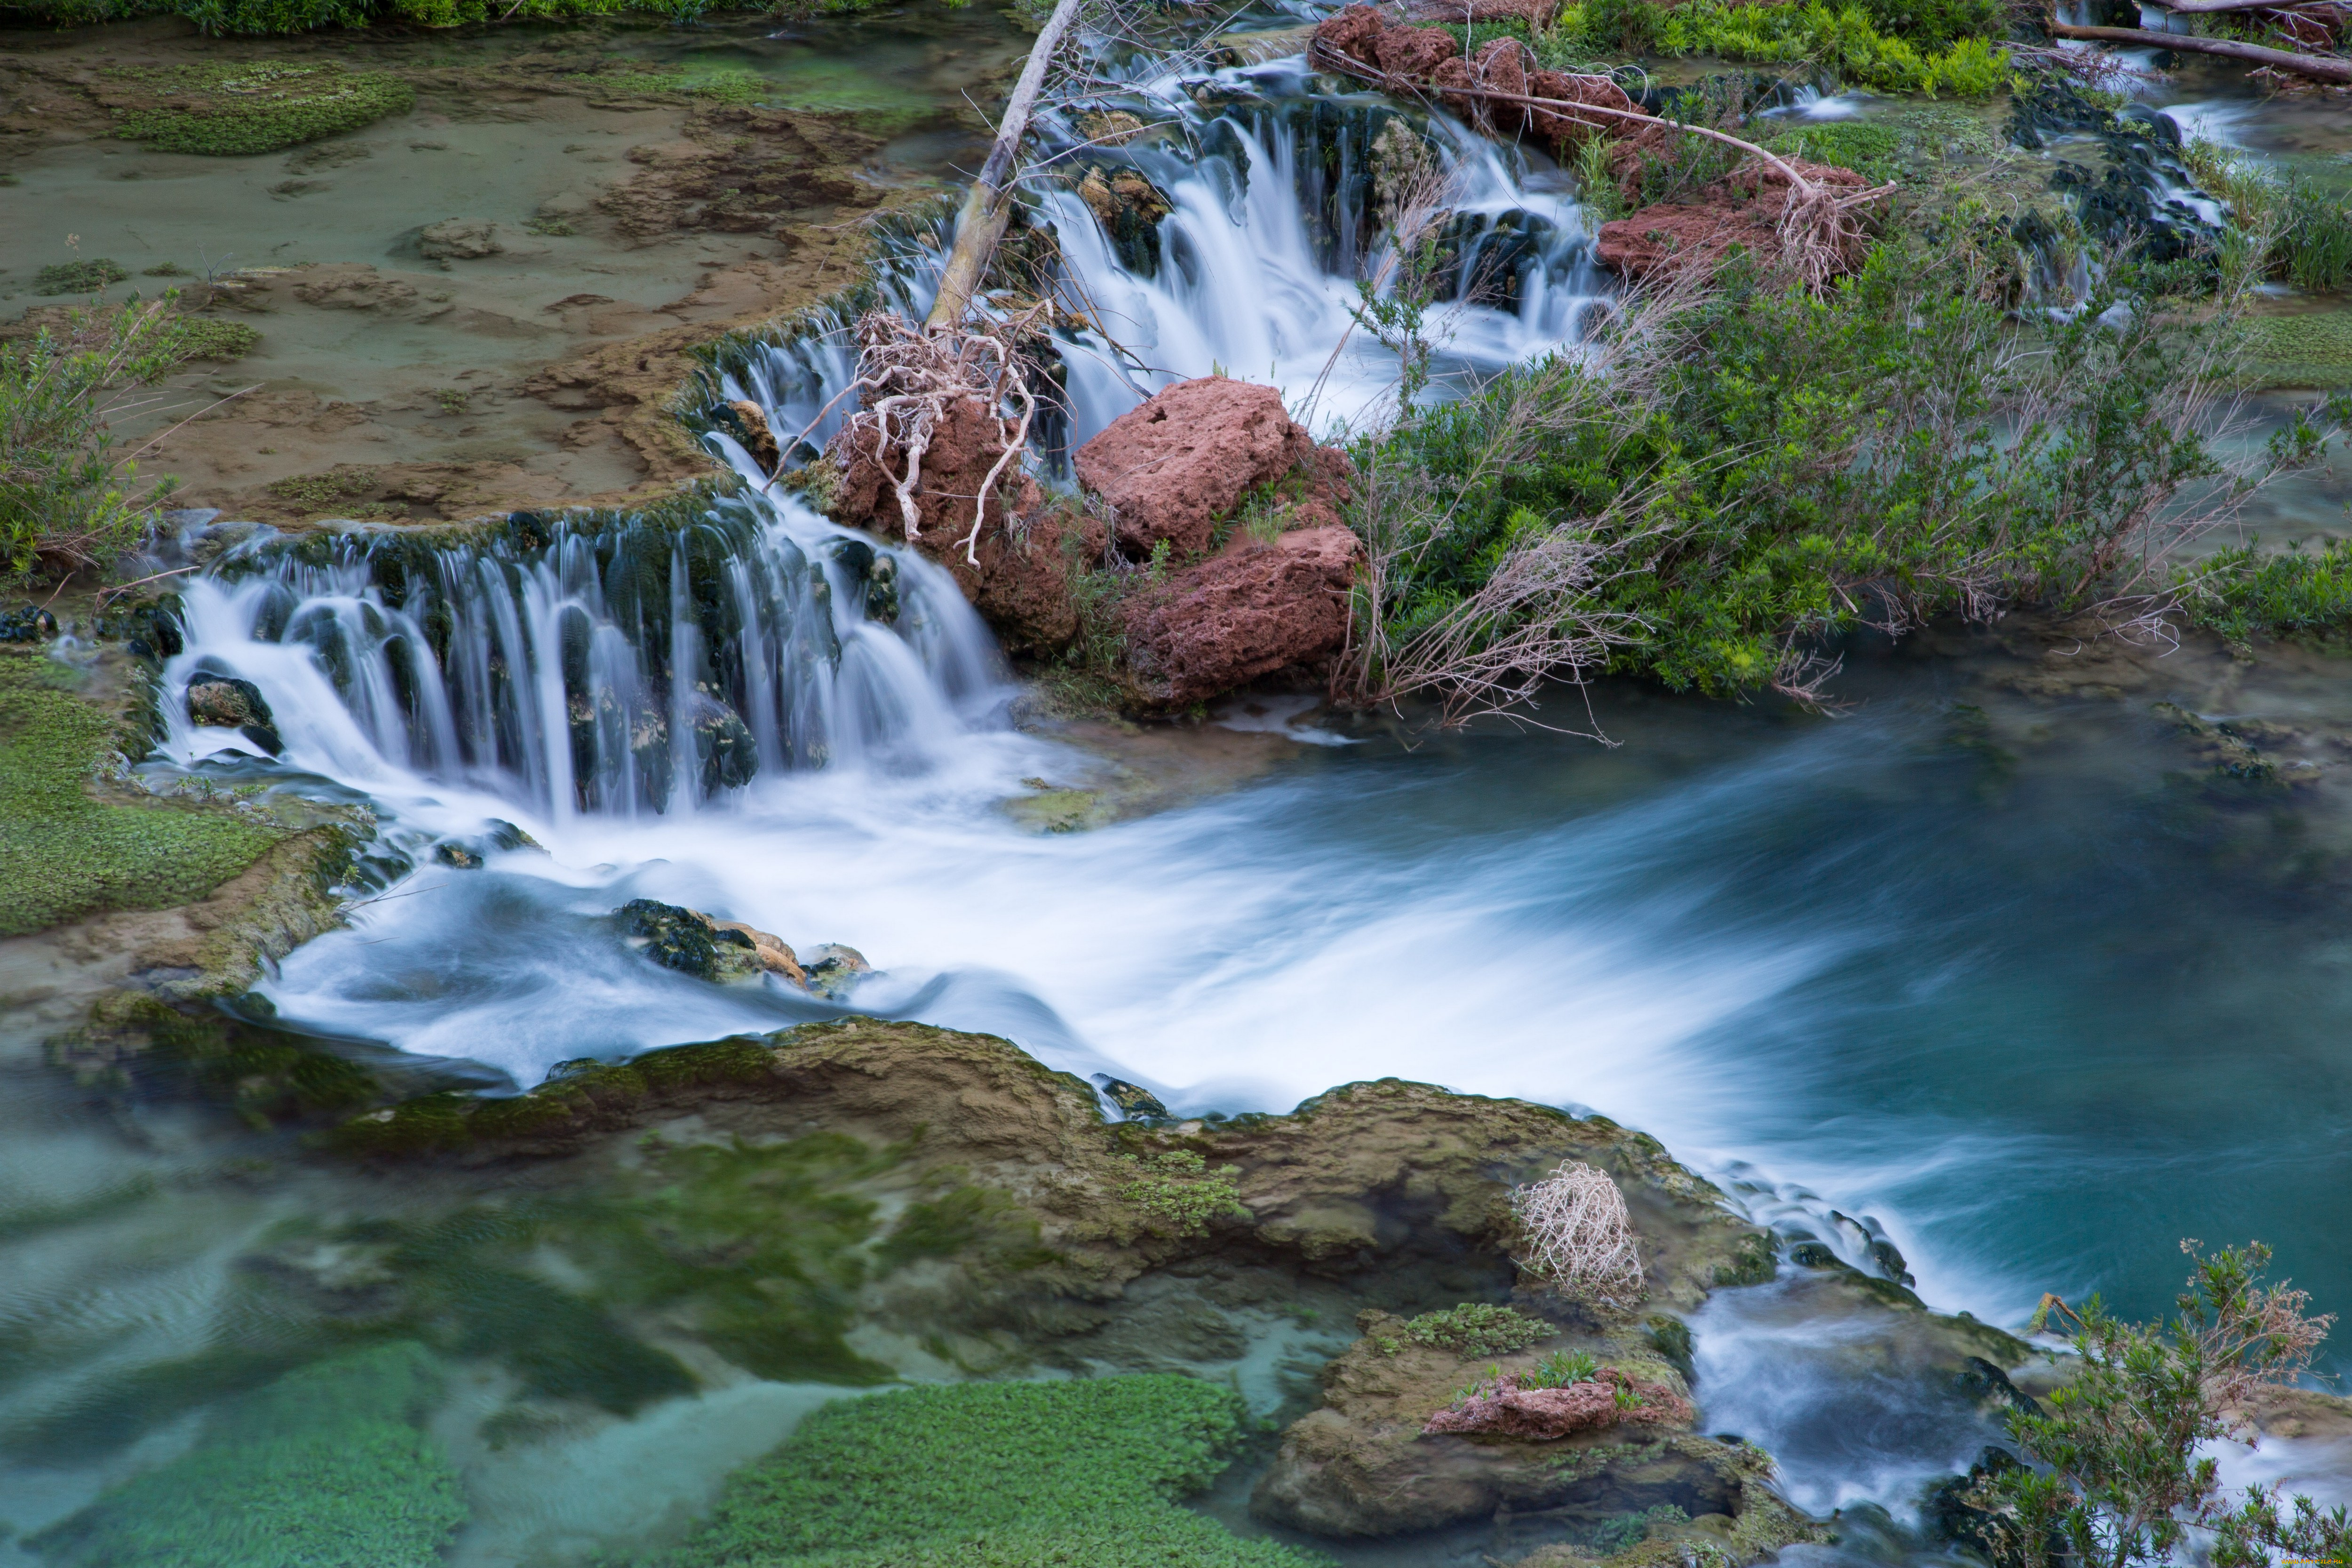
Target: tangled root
[
  {"x": 909, "y": 376},
  {"x": 1575, "y": 1233}
]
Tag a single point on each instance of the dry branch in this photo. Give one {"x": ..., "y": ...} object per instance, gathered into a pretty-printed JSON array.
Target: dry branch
[
  {"x": 988, "y": 206},
  {"x": 2324, "y": 68}
]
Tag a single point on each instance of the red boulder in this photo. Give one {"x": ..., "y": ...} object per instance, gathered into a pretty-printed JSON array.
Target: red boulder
[
  {"x": 1175, "y": 466},
  {"x": 1245, "y": 613}
]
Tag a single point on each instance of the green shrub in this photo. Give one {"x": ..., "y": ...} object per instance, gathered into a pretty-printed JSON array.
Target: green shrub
[
  {"x": 238, "y": 110},
  {"x": 1478, "y": 1328},
  {"x": 78, "y": 277},
  {"x": 1016, "y": 1474},
  {"x": 66, "y": 501},
  {"x": 63, "y": 854},
  {"x": 2241, "y": 593},
  {"x": 324, "y": 1469},
  {"x": 1769, "y": 468}
]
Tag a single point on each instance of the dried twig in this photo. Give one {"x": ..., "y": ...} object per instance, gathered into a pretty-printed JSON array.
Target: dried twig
[{"x": 1575, "y": 1233}]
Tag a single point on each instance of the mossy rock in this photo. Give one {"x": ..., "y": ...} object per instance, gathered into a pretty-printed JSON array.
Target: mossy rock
[{"x": 239, "y": 110}]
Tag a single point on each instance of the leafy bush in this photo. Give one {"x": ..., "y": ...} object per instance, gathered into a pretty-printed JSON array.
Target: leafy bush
[
  {"x": 66, "y": 500},
  {"x": 325, "y": 1469},
  {"x": 1478, "y": 1328},
  {"x": 234, "y": 109},
  {"x": 1015, "y": 1475},
  {"x": 2123, "y": 1472},
  {"x": 78, "y": 277}
]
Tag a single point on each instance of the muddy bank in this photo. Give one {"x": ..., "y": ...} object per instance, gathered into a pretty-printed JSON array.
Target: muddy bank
[{"x": 483, "y": 300}]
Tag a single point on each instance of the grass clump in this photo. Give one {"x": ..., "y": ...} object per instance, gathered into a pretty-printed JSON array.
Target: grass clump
[
  {"x": 2290, "y": 228},
  {"x": 1938, "y": 46},
  {"x": 992, "y": 1475},
  {"x": 78, "y": 277},
  {"x": 2241, "y": 593},
  {"x": 1177, "y": 1188},
  {"x": 1561, "y": 1368},
  {"x": 239, "y": 110},
  {"x": 324, "y": 1469},
  {"x": 64, "y": 854},
  {"x": 1478, "y": 1328}
]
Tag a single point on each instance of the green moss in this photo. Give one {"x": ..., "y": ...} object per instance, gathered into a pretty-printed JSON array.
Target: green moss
[
  {"x": 324, "y": 1469},
  {"x": 203, "y": 336},
  {"x": 1478, "y": 1328},
  {"x": 64, "y": 854},
  {"x": 1932, "y": 47},
  {"x": 239, "y": 110},
  {"x": 1008, "y": 1474},
  {"x": 78, "y": 277}
]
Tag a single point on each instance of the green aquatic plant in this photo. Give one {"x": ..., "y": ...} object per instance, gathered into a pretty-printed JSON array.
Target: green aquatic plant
[
  {"x": 2243, "y": 592},
  {"x": 78, "y": 277},
  {"x": 325, "y": 1468},
  {"x": 992, "y": 1475},
  {"x": 1630, "y": 1529},
  {"x": 234, "y": 109},
  {"x": 2122, "y": 1470},
  {"x": 66, "y": 852},
  {"x": 2295, "y": 229},
  {"x": 204, "y": 337},
  {"x": 1177, "y": 1188},
  {"x": 1561, "y": 1368},
  {"x": 1478, "y": 1328}
]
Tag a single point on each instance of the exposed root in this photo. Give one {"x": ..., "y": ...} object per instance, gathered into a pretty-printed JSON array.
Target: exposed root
[
  {"x": 909, "y": 379},
  {"x": 1575, "y": 1233}
]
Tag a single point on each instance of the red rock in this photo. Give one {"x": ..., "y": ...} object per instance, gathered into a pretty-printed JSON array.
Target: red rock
[
  {"x": 1563, "y": 129},
  {"x": 1414, "y": 52},
  {"x": 1352, "y": 32},
  {"x": 962, "y": 449},
  {"x": 1248, "y": 613},
  {"x": 1173, "y": 466},
  {"x": 1546, "y": 1413}
]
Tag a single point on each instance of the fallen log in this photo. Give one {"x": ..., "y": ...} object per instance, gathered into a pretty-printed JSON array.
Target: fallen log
[
  {"x": 2323, "y": 68},
  {"x": 987, "y": 206}
]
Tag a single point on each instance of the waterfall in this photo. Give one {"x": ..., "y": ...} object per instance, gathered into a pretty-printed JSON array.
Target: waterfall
[
  {"x": 608, "y": 667},
  {"x": 1269, "y": 172}
]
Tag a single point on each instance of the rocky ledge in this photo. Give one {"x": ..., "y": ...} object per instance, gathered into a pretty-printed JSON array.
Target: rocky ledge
[{"x": 1034, "y": 1235}]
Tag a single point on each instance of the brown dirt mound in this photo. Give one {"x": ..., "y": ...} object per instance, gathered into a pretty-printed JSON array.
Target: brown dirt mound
[{"x": 1742, "y": 209}]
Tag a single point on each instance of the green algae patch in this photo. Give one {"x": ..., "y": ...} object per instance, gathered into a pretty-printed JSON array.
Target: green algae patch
[
  {"x": 1012, "y": 1475},
  {"x": 236, "y": 110},
  {"x": 326, "y": 1468},
  {"x": 64, "y": 853},
  {"x": 2305, "y": 348}
]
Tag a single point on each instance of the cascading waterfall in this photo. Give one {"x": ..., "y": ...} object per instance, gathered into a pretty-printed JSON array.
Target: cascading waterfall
[
  {"x": 1255, "y": 271},
  {"x": 615, "y": 668}
]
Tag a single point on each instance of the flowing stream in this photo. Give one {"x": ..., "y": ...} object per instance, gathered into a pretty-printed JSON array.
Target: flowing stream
[{"x": 1993, "y": 975}]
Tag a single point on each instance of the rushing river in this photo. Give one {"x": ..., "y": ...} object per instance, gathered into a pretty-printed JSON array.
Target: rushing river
[{"x": 1999, "y": 967}]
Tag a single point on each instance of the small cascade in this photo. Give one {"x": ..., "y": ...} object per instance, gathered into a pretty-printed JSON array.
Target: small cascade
[
  {"x": 1271, "y": 183},
  {"x": 618, "y": 668}
]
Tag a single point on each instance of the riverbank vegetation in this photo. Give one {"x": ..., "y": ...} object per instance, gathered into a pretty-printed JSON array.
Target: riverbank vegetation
[{"x": 1747, "y": 471}]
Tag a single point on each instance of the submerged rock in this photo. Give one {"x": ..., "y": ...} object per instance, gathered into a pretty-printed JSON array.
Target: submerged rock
[
  {"x": 724, "y": 951},
  {"x": 1130, "y": 207},
  {"x": 834, "y": 970},
  {"x": 229, "y": 702}
]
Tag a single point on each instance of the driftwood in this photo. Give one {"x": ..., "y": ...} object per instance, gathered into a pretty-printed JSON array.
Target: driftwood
[
  {"x": 2325, "y": 68},
  {"x": 987, "y": 208}
]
